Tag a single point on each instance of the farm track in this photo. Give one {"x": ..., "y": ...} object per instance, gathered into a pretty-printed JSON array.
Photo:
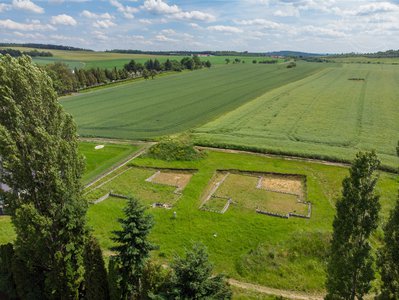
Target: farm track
[{"x": 275, "y": 292}]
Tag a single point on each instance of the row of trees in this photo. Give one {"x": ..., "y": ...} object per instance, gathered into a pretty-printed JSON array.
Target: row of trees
[
  {"x": 32, "y": 53},
  {"x": 54, "y": 255},
  {"x": 66, "y": 80},
  {"x": 351, "y": 264},
  {"x": 188, "y": 63}
]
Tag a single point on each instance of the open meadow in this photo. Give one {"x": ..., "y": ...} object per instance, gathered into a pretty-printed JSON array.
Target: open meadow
[
  {"x": 176, "y": 103},
  {"x": 330, "y": 115}
]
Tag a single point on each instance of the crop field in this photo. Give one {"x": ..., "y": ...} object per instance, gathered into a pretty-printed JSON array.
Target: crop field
[
  {"x": 175, "y": 103},
  {"x": 91, "y": 59},
  {"x": 331, "y": 114},
  {"x": 99, "y": 160}
]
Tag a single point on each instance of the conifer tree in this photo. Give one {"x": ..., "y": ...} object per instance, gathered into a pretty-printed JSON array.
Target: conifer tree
[
  {"x": 41, "y": 164},
  {"x": 133, "y": 248},
  {"x": 350, "y": 268},
  {"x": 193, "y": 277}
]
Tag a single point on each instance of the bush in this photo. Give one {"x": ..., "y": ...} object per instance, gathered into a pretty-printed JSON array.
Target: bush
[
  {"x": 291, "y": 65},
  {"x": 175, "y": 149}
]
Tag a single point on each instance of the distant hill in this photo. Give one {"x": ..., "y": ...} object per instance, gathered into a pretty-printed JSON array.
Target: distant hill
[
  {"x": 43, "y": 46},
  {"x": 379, "y": 54},
  {"x": 294, "y": 54}
]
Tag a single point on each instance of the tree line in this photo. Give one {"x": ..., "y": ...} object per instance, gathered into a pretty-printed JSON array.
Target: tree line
[
  {"x": 55, "y": 255},
  {"x": 67, "y": 81},
  {"x": 32, "y": 53},
  {"x": 44, "y": 46}
]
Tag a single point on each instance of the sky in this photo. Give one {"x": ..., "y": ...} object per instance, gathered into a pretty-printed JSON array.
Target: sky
[{"x": 317, "y": 26}]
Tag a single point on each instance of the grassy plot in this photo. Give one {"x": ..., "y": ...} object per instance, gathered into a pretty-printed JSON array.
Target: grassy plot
[
  {"x": 286, "y": 254},
  {"x": 99, "y": 160},
  {"x": 132, "y": 182},
  {"x": 281, "y": 253},
  {"x": 178, "y": 102},
  {"x": 326, "y": 115},
  {"x": 244, "y": 192}
]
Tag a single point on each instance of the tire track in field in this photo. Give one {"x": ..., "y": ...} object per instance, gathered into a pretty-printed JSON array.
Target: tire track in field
[
  {"x": 360, "y": 112},
  {"x": 293, "y": 132}
]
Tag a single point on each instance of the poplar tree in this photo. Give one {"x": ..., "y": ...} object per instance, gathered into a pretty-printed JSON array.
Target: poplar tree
[
  {"x": 350, "y": 268},
  {"x": 388, "y": 256},
  {"x": 39, "y": 161}
]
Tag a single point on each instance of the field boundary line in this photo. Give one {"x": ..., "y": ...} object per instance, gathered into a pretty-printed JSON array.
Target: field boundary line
[
  {"x": 275, "y": 292},
  {"x": 121, "y": 164}
]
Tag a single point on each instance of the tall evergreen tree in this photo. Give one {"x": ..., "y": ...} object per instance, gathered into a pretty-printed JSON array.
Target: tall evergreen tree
[
  {"x": 193, "y": 277},
  {"x": 133, "y": 247},
  {"x": 388, "y": 256},
  {"x": 41, "y": 164},
  {"x": 350, "y": 268}
]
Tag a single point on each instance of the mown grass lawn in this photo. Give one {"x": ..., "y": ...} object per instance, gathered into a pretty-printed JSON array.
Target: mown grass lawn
[
  {"x": 98, "y": 161},
  {"x": 280, "y": 253}
]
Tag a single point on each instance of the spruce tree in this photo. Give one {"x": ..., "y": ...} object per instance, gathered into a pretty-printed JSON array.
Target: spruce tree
[
  {"x": 193, "y": 277},
  {"x": 350, "y": 267},
  {"x": 41, "y": 164},
  {"x": 133, "y": 248}
]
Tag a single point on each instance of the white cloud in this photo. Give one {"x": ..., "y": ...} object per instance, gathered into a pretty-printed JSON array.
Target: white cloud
[
  {"x": 63, "y": 20},
  {"x": 103, "y": 24},
  {"x": 163, "y": 38},
  {"x": 374, "y": 8},
  {"x": 223, "y": 28},
  {"x": 168, "y": 31},
  {"x": 287, "y": 11},
  {"x": 12, "y": 25},
  {"x": 27, "y": 5},
  {"x": 91, "y": 15},
  {"x": 173, "y": 11},
  {"x": 266, "y": 24},
  {"x": 4, "y": 7},
  {"x": 322, "y": 32},
  {"x": 127, "y": 11}
]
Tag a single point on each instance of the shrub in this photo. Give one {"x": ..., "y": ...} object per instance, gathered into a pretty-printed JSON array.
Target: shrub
[{"x": 170, "y": 149}]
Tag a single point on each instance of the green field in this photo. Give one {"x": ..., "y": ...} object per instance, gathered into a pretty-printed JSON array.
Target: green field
[
  {"x": 281, "y": 253},
  {"x": 91, "y": 59},
  {"x": 177, "y": 102},
  {"x": 365, "y": 60},
  {"x": 98, "y": 161},
  {"x": 325, "y": 115}
]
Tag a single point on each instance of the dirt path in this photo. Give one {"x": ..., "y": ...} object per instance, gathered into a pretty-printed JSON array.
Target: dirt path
[
  {"x": 275, "y": 292},
  {"x": 120, "y": 165}
]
